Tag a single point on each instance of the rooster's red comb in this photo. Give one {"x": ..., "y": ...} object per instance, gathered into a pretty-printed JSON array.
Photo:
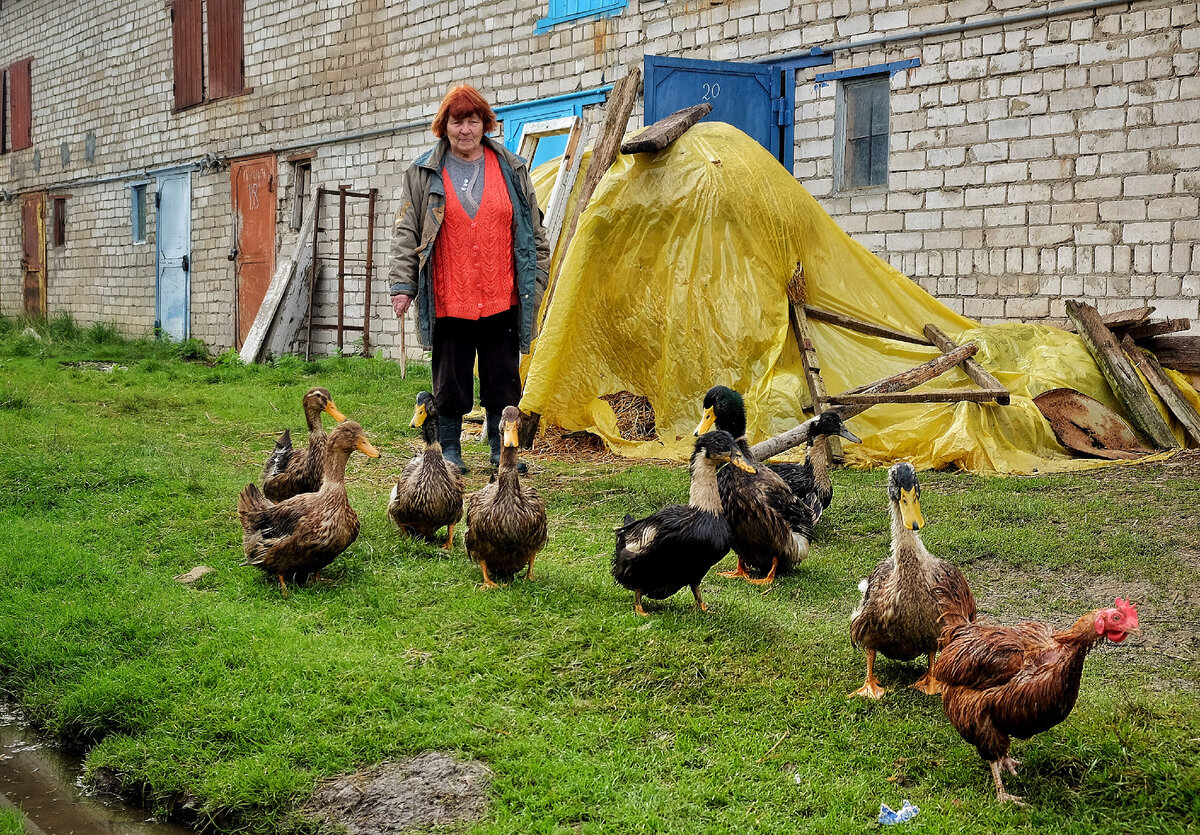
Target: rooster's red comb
[{"x": 1127, "y": 608}]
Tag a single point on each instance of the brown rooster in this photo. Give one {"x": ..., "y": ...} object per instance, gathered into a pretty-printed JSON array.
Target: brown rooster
[{"x": 1005, "y": 681}]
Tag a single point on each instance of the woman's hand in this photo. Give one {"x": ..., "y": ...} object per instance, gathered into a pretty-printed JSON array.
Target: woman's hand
[{"x": 400, "y": 303}]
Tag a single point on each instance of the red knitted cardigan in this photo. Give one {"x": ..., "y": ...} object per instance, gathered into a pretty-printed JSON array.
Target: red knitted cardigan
[{"x": 473, "y": 257}]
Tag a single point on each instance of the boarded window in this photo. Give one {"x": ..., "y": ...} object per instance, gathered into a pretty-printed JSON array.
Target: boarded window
[
  {"x": 865, "y": 113},
  {"x": 225, "y": 48},
  {"x": 58, "y": 236},
  {"x": 20, "y": 97},
  {"x": 187, "y": 50},
  {"x": 137, "y": 212}
]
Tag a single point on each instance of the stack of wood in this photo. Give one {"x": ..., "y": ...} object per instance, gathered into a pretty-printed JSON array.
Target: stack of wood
[
  {"x": 1182, "y": 353},
  {"x": 1115, "y": 346}
]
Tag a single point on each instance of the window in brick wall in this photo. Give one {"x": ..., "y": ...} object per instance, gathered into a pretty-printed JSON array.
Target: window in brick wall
[
  {"x": 562, "y": 11},
  {"x": 58, "y": 235},
  {"x": 301, "y": 180},
  {"x": 225, "y": 68},
  {"x": 4, "y": 110},
  {"x": 861, "y": 124},
  {"x": 137, "y": 211}
]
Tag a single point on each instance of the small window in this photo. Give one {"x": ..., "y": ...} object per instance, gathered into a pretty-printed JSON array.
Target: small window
[
  {"x": 226, "y": 67},
  {"x": 561, "y": 11},
  {"x": 301, "y": 178},
  {"x": 137, "y": 213},
  {"x": 514, "y": 117},
  {"x": 58, "y": 235},
  {"x": 863, "y": 116}
]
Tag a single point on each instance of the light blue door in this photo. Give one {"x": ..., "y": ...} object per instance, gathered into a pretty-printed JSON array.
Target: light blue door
[
  {"x": 173, "y": 203},
  {"x": 758, "y": 99}
]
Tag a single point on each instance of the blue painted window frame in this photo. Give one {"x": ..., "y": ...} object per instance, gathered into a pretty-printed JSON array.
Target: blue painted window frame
[
  {"x": 562, "y": 11},
  {"x": 137, "y": 210},
  {"x": 516, "y": 116}
]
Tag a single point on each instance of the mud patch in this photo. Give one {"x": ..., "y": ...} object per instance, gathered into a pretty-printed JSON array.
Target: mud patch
[{"x": 430, "y": 790}]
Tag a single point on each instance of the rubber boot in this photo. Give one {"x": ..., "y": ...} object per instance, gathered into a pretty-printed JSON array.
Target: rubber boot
[
  {"x": 493, "y": 433},
  {"x": 450, "y": 437}
]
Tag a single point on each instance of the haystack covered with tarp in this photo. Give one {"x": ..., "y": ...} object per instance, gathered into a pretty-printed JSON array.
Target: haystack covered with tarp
[{"x": 676, "y": 280}]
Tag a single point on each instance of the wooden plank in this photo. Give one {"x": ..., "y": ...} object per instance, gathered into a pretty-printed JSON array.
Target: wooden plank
[
  {"x": 1119, "y": 318},
  {"x": 662, "y": 133},
  {"x": 1157, "y": 328},
  {"x": 933, "y": 396},
  {"x": 971, "y": 366},
  {"x": 286, "y": 301},
  {"x": 901, "y": 382},
  {"x": 829, "y": 447},
  {"x": 616, "y": 119},
  {"x": 1121, "y": 376},
  {"x": 1166, "y": 389},
  {"x": 869, "y": 328},
  {"x": 1181, "y": 353}
]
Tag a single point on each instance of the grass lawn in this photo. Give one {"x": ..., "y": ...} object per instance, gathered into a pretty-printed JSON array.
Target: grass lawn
[{"x": 226, "y": 703}]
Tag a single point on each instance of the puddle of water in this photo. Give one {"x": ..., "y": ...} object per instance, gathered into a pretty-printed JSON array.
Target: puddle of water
[{"x": 47, "y": 786}]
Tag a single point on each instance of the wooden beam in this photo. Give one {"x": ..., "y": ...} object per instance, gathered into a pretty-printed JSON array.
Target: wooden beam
[
  {"x": 971, "y": 366},
  {"x": 903, "y": 381},
  {"x": 830, "y": 447},
  {"x": 662, "y": 133},
  {"x": 932, "y": 396},
  {"x": 1170, "y": 393},
  {"x": 1181, "y": 353},
  {"x": 1119, "y": 318},
  {"x": 1157, "y": 328},
  {"x": 1121, "y": 376},
  {"x": 869, "y": 328}
]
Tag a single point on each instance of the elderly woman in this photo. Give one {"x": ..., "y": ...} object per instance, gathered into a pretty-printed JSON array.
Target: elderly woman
[{"x": 469, "y": 246}]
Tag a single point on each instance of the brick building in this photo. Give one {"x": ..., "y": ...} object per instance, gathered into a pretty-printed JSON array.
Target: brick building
[{"x": 1006, "y": 155}]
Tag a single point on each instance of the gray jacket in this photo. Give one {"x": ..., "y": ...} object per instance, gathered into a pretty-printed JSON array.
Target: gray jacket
[{"x": 414, "y": 235}]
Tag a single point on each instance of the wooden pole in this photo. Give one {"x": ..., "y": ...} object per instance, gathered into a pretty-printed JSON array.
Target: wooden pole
[
  {"x": 829, "y": 447},
  {"x": 1120, "y": 374},
  {"x": 971, "y": 366},
  {"x": 869, "y": 328},
  {"x": 1178, "y": 405},
  {"x": 903, "y": 381}
]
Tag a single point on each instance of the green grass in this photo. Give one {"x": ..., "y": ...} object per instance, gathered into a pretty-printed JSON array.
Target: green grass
[{"x": 121, "y": 463}]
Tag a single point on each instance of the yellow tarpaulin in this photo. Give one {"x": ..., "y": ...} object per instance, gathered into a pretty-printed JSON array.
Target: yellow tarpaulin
[{"x": 676, "y": 281}]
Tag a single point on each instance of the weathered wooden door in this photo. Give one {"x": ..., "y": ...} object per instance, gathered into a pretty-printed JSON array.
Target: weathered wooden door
[
  {"x": 254, "y": 220},
  {"x": 33, "y": 252},
  {"x": 173, "y": 224}
]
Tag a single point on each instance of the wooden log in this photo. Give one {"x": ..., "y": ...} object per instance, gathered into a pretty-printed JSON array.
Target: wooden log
[
  {"x": 903, "y": 381},
  {"x": 1165, "y": 387},
  {"x": 1181, "y": 353},
  {"x": 1120, "y": 374},
  {"x": 1156, "y": 328},
  {"x": 971, "y": 366},
  {"x": 869, "y": 328},
  {"x": 662, "y": 133},
  {"x": 1119, "y": 318}
]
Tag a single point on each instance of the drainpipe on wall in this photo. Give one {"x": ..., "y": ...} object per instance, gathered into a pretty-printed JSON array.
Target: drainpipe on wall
[{"x": 948, "y": 29}]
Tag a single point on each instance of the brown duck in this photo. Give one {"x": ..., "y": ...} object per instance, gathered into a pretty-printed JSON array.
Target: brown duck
[
  {"x": 301, "y": 535},
  {"x": 429, "y": 493},
  {"x": 900, "y": 615},
  {"x": 506, "y": 520},
  {"x": 289, "y": 472}
]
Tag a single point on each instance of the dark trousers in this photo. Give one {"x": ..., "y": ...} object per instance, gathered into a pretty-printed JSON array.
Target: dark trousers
[{"x": 456, "y": 343}]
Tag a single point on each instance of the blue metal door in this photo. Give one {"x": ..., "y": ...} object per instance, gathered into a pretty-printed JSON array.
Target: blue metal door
[
  {"x": 173, "y": 202},
  {"x": 758, "y": 99}
]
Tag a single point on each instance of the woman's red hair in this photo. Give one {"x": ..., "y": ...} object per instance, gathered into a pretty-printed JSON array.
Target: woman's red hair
[{"x": 463, "y": 101}]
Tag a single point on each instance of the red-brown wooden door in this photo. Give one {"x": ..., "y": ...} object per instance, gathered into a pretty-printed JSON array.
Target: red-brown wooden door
[
  {"x": 253, "y": 181},
  {"x": 33, "y": 252}
]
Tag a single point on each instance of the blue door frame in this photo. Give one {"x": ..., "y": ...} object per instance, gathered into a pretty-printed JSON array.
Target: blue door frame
[
  {"x": 173, "y": 252},
  {"x": 758, "y": 99}
]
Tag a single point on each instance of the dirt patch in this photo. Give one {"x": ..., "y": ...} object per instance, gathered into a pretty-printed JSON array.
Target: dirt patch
[{"x": 432, "y": 789}]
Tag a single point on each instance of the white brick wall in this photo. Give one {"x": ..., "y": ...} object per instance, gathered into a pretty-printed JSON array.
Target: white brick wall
[{"x": 1030, "y": 162}]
